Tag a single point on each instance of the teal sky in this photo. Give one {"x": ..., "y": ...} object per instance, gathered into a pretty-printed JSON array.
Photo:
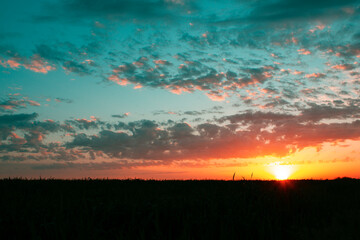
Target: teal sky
[{"x": 136, "y": 83}]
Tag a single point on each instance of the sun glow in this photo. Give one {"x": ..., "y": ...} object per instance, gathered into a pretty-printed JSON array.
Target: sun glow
[{"x": 282, "y": 172}]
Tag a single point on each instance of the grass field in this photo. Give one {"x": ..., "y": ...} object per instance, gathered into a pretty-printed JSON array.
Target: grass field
[{"x": 137, "y": 209}]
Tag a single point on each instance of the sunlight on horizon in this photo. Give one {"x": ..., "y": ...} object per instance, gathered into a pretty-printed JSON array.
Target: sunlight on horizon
[{"x": 281, "y": 172}]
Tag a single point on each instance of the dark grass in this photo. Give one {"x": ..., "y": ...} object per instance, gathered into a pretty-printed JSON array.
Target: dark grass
[{"x": 137, "y": 209}]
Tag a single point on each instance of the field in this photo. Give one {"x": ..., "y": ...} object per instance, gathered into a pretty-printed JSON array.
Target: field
[{"x": 137, "y": 209}]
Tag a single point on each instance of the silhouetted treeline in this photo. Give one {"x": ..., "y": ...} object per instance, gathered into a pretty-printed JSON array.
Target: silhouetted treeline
[{"x": 137, "y": 209}]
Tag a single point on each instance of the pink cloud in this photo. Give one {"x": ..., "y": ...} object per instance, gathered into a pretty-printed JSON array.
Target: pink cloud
[
  {"x": 162, "y": 62},
  {"x": 13, "y": 64},
  {"x": 217, "y": 96},
  {"x": 121, "y": 81},
  {"x": 178, "y": 90},
  {"x": 294, "y": 40},
  {"x": 89, "y": 61},
  {"x": 139, "y": 64},
  {"x": 181, "y": 66},
  {"x": 138, "y": 86},
  {"x": 321, "y": 26},
  {"x": 295, "y": 72},
  {"x": 13, "y": 104},
  {"x": 318, "y": 27},
  {"x": 343, "y": 67},
  {"x": 7, "y": 107},
  {"x": 37, "y": 64},
  {"x": 264, "y": 90},
  {"x": 33, "y": 103},
  {"x": 16, "y": 139},
  {"x": 315, "y": 75},
  {"x": 264, "y": 107},
  {"x": 304, "y": 51},
  {"x": 84, "y": 120}
]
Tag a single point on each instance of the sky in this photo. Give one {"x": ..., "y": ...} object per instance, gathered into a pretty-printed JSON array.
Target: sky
[{"x": 180, "y": 89}]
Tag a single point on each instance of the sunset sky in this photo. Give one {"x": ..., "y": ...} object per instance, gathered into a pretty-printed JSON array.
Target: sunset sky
[{"x": 180, "y": 89}]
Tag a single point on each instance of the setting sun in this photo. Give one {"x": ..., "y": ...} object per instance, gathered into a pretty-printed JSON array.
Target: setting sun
[{"x": 282, "y": 172}]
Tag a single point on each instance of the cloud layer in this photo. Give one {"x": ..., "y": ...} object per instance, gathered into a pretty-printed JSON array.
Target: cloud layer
[{"x": 243, "y": 135}]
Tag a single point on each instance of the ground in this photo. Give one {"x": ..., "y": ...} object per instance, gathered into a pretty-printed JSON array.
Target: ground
[{"x": 138, "y": 209}]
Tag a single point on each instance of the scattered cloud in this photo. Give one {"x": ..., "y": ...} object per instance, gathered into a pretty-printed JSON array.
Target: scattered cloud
[
  {"x": 14, "y": 102},
  {"x": 288, "y": 86},
  {"x": 65, "y": 100},
  {"x": 124, "y": 115},
  {"x": 315, "y": 75},
  {"x": 35, "y": 64}
]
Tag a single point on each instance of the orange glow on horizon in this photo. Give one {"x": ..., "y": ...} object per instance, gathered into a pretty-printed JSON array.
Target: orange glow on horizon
[{"x": 329, "y": 161}]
